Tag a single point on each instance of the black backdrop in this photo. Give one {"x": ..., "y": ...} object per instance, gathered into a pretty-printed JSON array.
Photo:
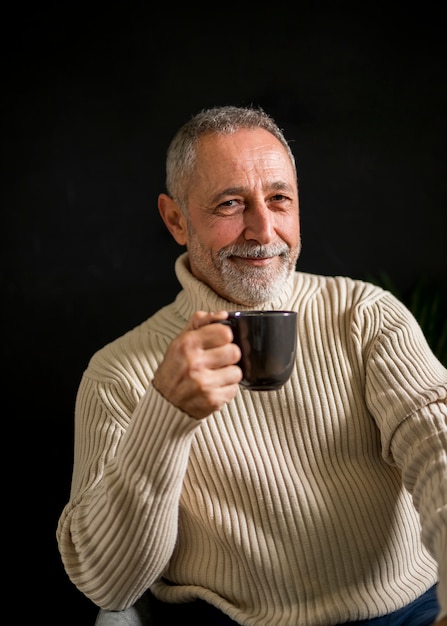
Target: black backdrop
[{"x": 91, "y": 99}]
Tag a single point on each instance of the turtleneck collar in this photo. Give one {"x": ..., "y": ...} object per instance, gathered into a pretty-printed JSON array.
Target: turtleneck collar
[{"x": 196, "y": 296}]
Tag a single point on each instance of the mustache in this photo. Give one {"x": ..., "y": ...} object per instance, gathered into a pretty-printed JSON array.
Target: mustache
[{"x": 250, "y": 251}]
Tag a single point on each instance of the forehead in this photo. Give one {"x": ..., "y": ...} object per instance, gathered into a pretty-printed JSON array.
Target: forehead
[{"x": 244, "y": 150}]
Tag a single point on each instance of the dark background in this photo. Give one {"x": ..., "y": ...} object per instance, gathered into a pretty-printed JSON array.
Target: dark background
[{"x": 91, "y": 98}]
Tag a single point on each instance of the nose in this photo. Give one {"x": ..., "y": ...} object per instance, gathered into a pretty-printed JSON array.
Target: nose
[{"x": 259, "y": 223}]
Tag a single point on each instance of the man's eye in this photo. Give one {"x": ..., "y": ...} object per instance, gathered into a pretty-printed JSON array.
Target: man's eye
[{"x": 230, "y": 206}]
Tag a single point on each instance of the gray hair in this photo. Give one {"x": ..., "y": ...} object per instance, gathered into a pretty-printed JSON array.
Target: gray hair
[{"x": 225, "y": 120}]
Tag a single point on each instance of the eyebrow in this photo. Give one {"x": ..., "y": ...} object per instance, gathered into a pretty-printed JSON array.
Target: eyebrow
[{"x": 278, "y": 185}]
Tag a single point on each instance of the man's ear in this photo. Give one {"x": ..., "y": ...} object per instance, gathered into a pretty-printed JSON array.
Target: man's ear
[{"x": 173, "y": 217}]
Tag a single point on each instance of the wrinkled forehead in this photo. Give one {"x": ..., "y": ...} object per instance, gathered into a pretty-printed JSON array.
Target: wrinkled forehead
[{"x": 243, "y": 150}]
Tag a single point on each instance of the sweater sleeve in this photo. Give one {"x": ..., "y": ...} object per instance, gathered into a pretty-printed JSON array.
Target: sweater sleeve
[
  {"x": 126, "y": 459},
  {"x": 406, "y": 391},
  {"x": 419, "y": 447},
  {"x": 402, "y": 373}
]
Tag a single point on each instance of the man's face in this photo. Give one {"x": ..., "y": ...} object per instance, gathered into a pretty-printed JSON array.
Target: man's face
[{"x": 243, "y": 232}]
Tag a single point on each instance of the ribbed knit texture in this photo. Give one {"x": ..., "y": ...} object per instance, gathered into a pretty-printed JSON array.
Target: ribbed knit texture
[{"x": 285, "y": 508}]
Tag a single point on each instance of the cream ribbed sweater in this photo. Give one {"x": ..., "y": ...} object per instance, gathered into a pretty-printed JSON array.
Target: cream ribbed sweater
[{"x": 285, "y": 508}]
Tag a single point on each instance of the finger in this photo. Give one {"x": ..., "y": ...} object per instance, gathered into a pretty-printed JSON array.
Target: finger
[
  {"x": 215, "y": 336},
  {"x": 202, "y": 318},
  {"x": 211, "y": 392},
  {"x": 220, "y": 356}
]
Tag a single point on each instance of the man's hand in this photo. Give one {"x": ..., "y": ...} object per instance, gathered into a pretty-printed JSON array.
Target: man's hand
[{"x": 199, "y": 373}]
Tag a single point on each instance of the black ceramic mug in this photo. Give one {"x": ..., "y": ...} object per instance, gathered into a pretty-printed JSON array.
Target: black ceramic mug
[{"x": 267, "y": 340}]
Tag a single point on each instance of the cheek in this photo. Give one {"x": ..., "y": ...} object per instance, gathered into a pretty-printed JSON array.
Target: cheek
[
  {"x": 222, "y": 233},
  {"x": 288, "y": 229}
]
